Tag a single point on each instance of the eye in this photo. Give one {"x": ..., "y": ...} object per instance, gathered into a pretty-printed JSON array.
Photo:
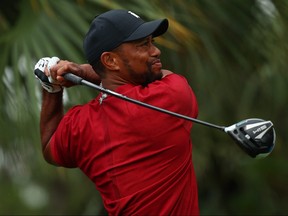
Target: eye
[
  {"x": 145, "y": 43},
  {"x": 148, "y": 42}
]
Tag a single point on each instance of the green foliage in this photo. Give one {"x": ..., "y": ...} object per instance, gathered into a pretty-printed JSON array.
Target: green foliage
[{"x": 233, "y": 53}]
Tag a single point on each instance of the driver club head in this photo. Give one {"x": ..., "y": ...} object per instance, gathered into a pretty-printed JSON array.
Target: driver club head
[{"x": 255, "y": 136}]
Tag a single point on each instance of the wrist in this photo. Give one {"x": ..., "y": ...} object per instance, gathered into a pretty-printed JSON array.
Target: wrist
[
  {"x": 52, "y": 88},
  {"x": 89, "y": 74},
  {"x": 57, "y": 94}
]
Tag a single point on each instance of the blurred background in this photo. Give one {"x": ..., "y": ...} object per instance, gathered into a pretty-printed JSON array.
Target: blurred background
[{"x": 234, "y": 54}]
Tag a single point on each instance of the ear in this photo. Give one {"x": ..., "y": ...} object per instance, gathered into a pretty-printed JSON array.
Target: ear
[{"x": 110, "y": 61}]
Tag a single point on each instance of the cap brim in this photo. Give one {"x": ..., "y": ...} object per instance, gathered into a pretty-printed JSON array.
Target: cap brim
[{"x": 154, "y": 28}]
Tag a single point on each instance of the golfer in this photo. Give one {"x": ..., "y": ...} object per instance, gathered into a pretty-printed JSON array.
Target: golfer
[{"x": 140, "y": 160}]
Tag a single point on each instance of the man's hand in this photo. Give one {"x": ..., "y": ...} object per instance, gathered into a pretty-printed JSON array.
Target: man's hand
[
  {"x": 42, "y": 73},
  {"x": 84, "y": 71},
  {"x": 50, "y": 73}
]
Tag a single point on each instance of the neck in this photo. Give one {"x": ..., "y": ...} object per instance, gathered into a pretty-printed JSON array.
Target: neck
[{"x": 112, "y": 82}]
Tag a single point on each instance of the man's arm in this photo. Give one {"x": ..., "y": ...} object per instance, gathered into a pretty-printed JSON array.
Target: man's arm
[
  {"x": 52, "y": 110},
  {"x": 51, "y": 114},
  {"x": 84, "y": 71}
]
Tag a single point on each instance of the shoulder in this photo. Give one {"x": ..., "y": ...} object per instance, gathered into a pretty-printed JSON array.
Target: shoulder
[
  {"x": 166, "y": 72},
  {"x": 171, "y": 88},
  {"x": 83, "y": 110},
  {"x": 175, "y": 82}
]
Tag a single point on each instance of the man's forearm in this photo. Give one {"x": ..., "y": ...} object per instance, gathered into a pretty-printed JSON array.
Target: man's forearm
[
  {"x": 51, "y": 115},
  {"x": 89, "y": 74}
]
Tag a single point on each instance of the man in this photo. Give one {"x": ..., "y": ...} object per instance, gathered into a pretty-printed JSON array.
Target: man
[{"x": 140, "y": 160}]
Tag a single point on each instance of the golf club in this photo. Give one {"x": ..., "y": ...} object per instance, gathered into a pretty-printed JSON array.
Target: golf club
[{"x": 254, "y": 136}]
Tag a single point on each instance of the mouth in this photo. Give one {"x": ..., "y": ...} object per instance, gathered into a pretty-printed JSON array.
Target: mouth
[{"x": 157, "y": 63}]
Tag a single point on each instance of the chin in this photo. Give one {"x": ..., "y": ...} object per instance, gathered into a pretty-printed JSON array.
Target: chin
[{"x": 159, "y": 75}]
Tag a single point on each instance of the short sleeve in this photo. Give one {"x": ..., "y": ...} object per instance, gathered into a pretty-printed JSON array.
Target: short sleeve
[{"x": 62, "y": 140}]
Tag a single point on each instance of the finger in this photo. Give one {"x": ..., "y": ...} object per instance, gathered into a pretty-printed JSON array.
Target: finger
[
  {"x": 46, "y": 72},
  {"x": 52, "y": 62},
  {"x": 61, "y": 68},
  {"x": 60, "y": 64},
  {"x": 60, "y": 79}
]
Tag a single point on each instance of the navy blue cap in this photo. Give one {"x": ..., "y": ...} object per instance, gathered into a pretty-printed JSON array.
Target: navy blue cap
[{"x": 109, "y": 30}]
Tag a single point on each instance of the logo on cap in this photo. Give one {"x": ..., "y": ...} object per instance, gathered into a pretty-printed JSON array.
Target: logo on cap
[{"x": 133, "y": 14}]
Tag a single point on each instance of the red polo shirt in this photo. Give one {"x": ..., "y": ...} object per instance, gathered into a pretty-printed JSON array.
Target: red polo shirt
[{"x": 139, "y": 159}]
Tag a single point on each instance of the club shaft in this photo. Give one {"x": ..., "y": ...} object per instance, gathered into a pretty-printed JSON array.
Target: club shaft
[{"x": 78, "y": 80}]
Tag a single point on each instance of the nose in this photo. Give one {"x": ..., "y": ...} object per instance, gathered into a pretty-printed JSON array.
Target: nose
[{"x": 154, "y": 51}]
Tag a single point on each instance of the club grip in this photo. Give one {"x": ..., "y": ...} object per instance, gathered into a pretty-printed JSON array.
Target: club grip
[
  {"x": 41, "y": 76},
  {"x": 73, "y": 78}
]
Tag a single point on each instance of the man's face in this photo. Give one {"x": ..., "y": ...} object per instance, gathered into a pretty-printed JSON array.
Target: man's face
[{"x": 139, "y": 61}]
